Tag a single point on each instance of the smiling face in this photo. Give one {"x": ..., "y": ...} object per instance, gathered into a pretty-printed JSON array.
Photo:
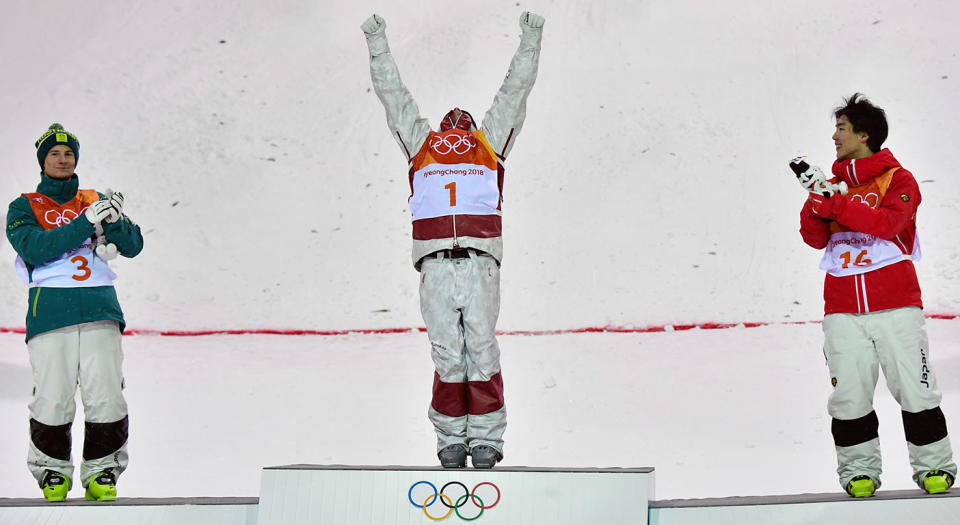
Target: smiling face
[
  {"x": 59, "y": 162},
  {"x": 850, "y": 144}
]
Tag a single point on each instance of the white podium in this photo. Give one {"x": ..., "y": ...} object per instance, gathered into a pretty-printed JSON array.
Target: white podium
[{"x": 375, "y": 495}]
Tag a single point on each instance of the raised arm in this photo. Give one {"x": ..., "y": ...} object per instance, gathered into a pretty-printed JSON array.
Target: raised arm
[
  {"x": 403, "y": 115},
  {"x": 502, "y": 122}
]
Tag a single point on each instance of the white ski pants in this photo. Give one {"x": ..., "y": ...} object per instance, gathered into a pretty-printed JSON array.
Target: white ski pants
[
  {"x": 88, "y": 355},
  {"x": 460, "y": 303},
  {"x": 856, "y": 346}
]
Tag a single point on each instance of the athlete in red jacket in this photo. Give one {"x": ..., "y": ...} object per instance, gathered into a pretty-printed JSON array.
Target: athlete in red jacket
[
  {"x": 873, "y": 312},
  {"x": 889, "y": 286}
]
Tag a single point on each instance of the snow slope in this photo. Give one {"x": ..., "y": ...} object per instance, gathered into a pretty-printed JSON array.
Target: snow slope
[
  {"x": 649, "y": 183},
  {"x": 649, "y": 186}
]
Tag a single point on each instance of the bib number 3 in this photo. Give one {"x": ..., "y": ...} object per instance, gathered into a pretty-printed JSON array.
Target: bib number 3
[{"x": 82, "y": 268}]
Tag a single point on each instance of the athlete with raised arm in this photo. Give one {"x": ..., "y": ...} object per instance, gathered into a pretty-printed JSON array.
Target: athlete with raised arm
[{"x": 456, "y": 179}]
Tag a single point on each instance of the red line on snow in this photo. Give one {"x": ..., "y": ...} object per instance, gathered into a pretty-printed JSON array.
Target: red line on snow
[
  {"x": 626, "y": 329},
  {"x": 268, "y": 331}
]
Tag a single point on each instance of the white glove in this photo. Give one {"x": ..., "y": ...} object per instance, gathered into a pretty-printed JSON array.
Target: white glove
[
  {"x": 813, "y": 179},
  {"x": 530, "y": 20},
  {"x": 827, "y": 188},
  {"x": 809, "y": 176},
  {"x": 374, "y": 24},
  {"x": 99, "y": 211},
  {"x": 116, "y": 201},
  {"x": 107, "y": 251},
  {"x": 103, "y": 249}
]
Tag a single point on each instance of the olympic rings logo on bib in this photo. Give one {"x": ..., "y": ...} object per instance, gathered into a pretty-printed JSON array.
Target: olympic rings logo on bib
[
  {"x": 60, "y": 218},
  {"x": 426, "y": 503},
  {"x": 870, "y": 199},
  {"x": 446, "y": 144}
]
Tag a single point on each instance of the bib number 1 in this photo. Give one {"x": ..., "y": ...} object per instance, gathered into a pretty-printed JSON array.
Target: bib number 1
[{"x": 452, "y": 187}]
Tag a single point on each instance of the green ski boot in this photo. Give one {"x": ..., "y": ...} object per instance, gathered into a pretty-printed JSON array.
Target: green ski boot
[
  {"x": 103, "y": 487},
  {"x": 55, "y": 486},
  {"x": 937, "y": 482},
  {"x": 861, "y": 487}
]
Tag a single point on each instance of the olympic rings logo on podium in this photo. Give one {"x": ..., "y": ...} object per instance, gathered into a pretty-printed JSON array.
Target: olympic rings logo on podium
[{"x": 453, "y": 506}]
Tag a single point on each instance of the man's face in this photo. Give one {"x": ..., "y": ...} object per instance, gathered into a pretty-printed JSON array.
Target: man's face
[
  {"x": 850, "y": 144},
  {"x": 457, "y": 119},
  {"x": 59, "y": 162}
]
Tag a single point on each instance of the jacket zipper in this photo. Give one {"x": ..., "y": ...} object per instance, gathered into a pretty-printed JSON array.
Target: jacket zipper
[{"x": 456, "y": 242}]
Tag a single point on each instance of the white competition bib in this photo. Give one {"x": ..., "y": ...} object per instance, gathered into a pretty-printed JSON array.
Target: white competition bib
[
  {"x": 80, "y": 268},
  {"x": 454, "y": 189},
  {"x": 77, "y": 268},
  {"x": 852, "y": 253}
]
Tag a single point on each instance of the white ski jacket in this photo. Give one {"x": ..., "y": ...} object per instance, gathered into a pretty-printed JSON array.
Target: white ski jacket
[{"x": 500, "y": 126}]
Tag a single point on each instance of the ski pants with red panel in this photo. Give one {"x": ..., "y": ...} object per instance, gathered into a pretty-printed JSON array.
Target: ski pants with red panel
[{"x": 460, "y": 303}]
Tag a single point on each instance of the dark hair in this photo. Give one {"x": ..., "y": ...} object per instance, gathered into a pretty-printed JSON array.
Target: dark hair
[{"x": 865, "y": 117}]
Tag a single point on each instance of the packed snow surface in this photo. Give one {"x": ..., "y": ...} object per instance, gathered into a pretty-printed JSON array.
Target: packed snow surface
[{"x": 649, "y": 187}]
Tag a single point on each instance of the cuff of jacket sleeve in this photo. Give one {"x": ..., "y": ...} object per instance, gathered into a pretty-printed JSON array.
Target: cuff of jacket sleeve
[
  {"x": 531, "y": 35},
  {"x": 839, "y": 207},
  {"x": 112, "y": 227},
  {"x": 377, "y": 43}
]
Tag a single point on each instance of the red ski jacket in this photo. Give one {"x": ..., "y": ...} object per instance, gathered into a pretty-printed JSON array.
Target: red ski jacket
[{"x": 891, "y": 217}]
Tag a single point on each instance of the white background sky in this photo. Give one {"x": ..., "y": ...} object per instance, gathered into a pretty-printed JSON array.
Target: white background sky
[{"x": 649, "y": 186}]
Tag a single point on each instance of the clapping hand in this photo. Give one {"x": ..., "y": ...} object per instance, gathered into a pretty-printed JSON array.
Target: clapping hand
[{"x": 116, "y": 202}]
